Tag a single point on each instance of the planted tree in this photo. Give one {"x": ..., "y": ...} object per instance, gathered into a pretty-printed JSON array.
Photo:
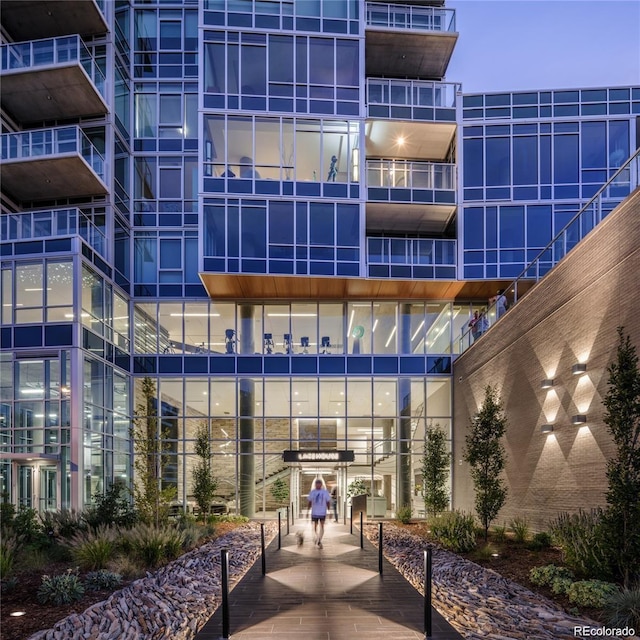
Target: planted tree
[
  {"x": 622, "y": 417},
  {"x": 280, "y": 491},
  {"x": 435, "y": 470},
  {"x": 149, "y": 447},
  {"x": 486, "y": 456},
  {"x": 204, "y": 481}
]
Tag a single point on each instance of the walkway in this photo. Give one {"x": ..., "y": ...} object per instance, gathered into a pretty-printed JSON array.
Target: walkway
[{"x": 334, "y": 593}]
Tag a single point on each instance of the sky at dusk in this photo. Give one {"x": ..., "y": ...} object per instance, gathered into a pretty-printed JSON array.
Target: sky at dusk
[{"x": 545, "y": 44}]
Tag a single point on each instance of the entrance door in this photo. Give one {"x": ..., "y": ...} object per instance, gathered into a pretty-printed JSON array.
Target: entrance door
[
  {"x": 48, "y": 488},
  {"x": 25, "y": 486},
  {"x": 306, "y": 480}
]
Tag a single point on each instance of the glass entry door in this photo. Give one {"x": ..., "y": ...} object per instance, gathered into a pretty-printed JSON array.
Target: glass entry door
[
  {"x": 48, "y": 488},
  {"x": 25, "y": 486}
]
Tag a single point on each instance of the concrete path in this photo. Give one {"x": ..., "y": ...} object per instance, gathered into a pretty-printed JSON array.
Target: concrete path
[{"x": 333, "y": 593}]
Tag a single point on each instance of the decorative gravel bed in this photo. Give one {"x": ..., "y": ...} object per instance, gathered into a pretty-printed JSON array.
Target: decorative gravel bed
[
  {"x": 174, "y": 602},
  {"x": 479, "y": 603},
  {"x": 179, "y": 598}
]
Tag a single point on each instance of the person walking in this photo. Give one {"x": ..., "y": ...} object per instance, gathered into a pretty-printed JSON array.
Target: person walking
[{"x": 319, "y": 501}]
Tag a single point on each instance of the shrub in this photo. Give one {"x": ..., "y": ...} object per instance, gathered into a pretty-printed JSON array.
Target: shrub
[
  {"x": 591, "y": 593},
  {"x": 581, "y": 536},
  {"x": 125, "y": 566},
  {"x": 622, "y": 609},
  {"x": 61, "y": 589},
  {"x": 520, "y": 528},
  {"x": 194, "y": 533},
  {"x": 486, "y": 551},
  {"x": 8, "y": 548},
  {"x": 455, "y": 531},
  {"x": 93, "y": 549},
  {"x": 544, "y": 576},
  {"x": 404, "y": 514},
  {"x": 226, "y": 517},
  {"x": 25, "y": 525},
  {"x": 151, "y": 545},
  {"x": 561, "y": 586},
  {"x": 64, "y": 523},
  {"x": 500, "y": 533},
  {"x": 540, "y": 541},
  {"x": 7, "y": 513},
  {"x": 111, "y": 508},
  {"x": 98, "y": 580}
]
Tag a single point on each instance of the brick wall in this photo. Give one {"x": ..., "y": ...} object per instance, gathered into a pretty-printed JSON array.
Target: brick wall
[{"x": 569, "y": 317}]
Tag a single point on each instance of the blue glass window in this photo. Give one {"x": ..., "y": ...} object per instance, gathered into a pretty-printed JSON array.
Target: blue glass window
[
  {"x": 170, "y": 254},
  {"x": 472, "y": 101},
  {"x": 565, "y": 161},
  {"x": 525, "y": 160},
  {"x": 281, "y": 222},
  {"x": 594, "y": 145},
  {"x": 280, "y": 58},
  {"x": 254, "y": 232},
  {"x": 473, "y": 228},
  {"x": 473, "y": 163},
  {"x": 511, "y": 227},
  {"x": 498, "y": 161},
  {"x": 538, "y": 225},
  {"x": 321, "y": 223},
  {"x": 498, "y": 100},
  {"x": 348, "y": 225},
  {"x": 618, "y": 142}
]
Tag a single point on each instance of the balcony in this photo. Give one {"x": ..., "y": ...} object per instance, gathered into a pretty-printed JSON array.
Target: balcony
[
  {"x": 411, "y": 258},
  {"x": 51, "y": 163},
  {"x": 415, "y": 100},
  {"x": 33, "y": 19},
  {"x": 51, "y": 79},
  {"x": 57, "y": 223},
  {"x": 407, "y": 40}
]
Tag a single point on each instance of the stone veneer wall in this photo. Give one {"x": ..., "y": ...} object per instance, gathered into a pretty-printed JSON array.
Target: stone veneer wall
[{"x": 571, "y": 316}]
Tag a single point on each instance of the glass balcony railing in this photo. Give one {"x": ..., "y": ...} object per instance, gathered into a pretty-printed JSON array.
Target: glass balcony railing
[
  {"x": 47, "y": 142},
  {"x": 54, "y": 223},
  {"x": 413, "y": 99},
  {"x": 411, "y": 175},
  {"x": 423, "y": 258},
  {"x": 415, "y": 18},
  {"x": 625, "y": 180},
  {"x": 52, "y": 51}
]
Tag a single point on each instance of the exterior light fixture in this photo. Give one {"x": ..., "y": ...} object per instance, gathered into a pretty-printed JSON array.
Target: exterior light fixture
[
  {"x": 547, "y": 383},
  {"x": 546, "y": 428},
  {"x": 581, "y": 418},
  {"x": 578, "y": 369},
  {"x": 17, "y": 614}
]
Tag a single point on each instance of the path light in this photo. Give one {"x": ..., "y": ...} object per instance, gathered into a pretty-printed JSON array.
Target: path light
[{"x": 17, "y": 614}]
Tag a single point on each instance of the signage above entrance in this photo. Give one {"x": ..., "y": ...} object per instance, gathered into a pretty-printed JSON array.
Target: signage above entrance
[{"x": 318, "y": 456}]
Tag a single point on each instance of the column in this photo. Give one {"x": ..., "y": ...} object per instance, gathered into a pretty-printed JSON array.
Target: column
[
  {"x": 247, "y": 481},
  {"x": 403, "y": 467}
]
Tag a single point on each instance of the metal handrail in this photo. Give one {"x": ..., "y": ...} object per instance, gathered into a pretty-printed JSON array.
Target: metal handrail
[
  {"x": 18, "y": 56},
  {"x": 406, "y": 174},
  {"x": 399, "y": 16},
  {"x": 626, "y": 178},
  {"x": 413, "y": 251},
  {"x": 413, "y": 93}
]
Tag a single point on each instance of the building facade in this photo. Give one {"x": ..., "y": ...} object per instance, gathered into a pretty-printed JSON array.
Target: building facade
[{"x": 281, "y": 214}]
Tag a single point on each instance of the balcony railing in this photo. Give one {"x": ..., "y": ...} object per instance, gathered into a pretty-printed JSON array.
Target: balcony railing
[
  {"x": 52, "y": 224},
  {"x": 422, "y": 258},
  {"x": 404, "y": 174},
  {"x": 39, "y": 143},
  {"x": 398, "y": 16},
  {"x": 52, "y": 51},
  {"x": 625, "y": 180},
  {"x": 412, "y": 99}
]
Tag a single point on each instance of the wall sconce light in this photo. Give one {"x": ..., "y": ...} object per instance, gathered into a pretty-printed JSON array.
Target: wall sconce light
[
  {"x": 578, "y": 369},
  {"x": 546, "y": 428},
  {"x": 547, "y": 383},
  {"x": 579, "y": 419}
]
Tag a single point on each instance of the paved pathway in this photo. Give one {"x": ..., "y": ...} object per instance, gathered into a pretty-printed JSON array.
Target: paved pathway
[{"x": 334, "y": 593}]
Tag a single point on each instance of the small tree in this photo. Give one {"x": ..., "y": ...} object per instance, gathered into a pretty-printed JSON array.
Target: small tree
[
  {"x": 280, "y": 491},
  {"x": 357, "y": 488},
  {"x": 149, "y": 448},
  {"x": 486, "y": 455},
  {"x": 622, "y": 417},
  {"x": 204, "y": 482},
  {"x": 435, "y": 470}
]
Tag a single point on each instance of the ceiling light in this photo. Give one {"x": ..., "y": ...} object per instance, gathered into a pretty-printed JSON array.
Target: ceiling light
[
  {"x": 393, "y": 333},
  {"x": 579, "y": 369},
  {"x": 292, "y": 315},
  {"x": 400, "y": 140}
]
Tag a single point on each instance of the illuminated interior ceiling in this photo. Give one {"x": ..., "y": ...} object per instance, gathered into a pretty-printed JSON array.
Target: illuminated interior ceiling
[
  {"x": 409, "y": 218},
  {"x": 411, "y": 140}
]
